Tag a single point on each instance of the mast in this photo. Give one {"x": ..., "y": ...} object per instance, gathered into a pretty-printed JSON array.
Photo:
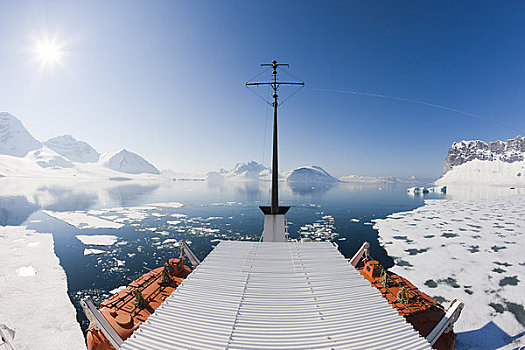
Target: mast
[
  {"x": 275, "y": 84},
  {"x": 275, "y": 162}
]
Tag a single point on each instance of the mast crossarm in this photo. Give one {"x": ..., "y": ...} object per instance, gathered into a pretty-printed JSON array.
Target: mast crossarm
[
  {"x": 276, "y": 64},
  {"x": 272, "y": 83}
]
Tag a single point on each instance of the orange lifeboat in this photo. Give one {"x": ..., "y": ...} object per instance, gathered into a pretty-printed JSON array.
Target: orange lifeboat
[
  {"x": 126, "y": 310},
  {"x": 419, "y": 309}
]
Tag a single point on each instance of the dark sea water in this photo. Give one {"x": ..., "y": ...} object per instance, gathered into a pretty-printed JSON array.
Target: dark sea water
[{"x": 341, "y": 213}]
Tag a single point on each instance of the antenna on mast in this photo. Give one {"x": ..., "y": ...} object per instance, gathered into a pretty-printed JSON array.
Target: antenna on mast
[
  {"x": 275, "y": 84},
  {"x": 274, "y": 221}
]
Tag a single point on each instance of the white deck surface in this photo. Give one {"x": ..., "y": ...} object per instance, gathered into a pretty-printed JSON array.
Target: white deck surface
[{"x": 289, "y": 295}]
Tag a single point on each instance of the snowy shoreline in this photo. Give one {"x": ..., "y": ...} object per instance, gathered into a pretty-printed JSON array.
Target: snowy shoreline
[
  {"x": 471, "y": 250},
  {"x": 33, "y": 292}
]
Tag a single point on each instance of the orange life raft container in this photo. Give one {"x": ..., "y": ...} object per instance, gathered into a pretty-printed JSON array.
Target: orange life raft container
[
  {"x": 126, "y": 310},
  {"x": 419, "y": 309}
]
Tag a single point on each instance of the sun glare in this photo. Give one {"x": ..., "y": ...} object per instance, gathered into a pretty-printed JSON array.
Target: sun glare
[{"x": 49, "y": 52}]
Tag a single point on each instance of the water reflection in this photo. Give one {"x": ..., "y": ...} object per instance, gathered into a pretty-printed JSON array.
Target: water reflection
[
  {"x": 309, "y": 188},
  {"x": 465, "y": 192},
  {"x": 19, "y": 198},
  {"x": 15, "y": 210}
]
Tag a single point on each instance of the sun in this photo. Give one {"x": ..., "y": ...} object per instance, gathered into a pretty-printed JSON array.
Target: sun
[{"x": 48, "y": 51}]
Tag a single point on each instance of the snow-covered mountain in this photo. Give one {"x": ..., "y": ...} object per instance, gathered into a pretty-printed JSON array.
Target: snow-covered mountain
[
  {"x": 127, "y": 162},
  {"x": 247, "y": 170},
  {"x": 15, "y": 140},
  {"x": 61, "y": 157},
  {"x": 309, "y": 174},
  {"x": 72, "y": 149},
  {"x": 368, "y": 179},
  {"x": 377, "y": 179},
  {"x": 242, "y": 171},
  {"x": 47, "y": 158},
  {"x": 497, "y": 163}
]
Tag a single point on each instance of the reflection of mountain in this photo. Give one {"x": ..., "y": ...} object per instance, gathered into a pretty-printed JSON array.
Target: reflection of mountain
[
  {"x": 15, "y": 210},
  {"x": 128, "y": 194},
  {"x": 60, "y": 198},
  {"x": 20, "y": 197},
  {"x": 309, "y": 188},
  {"x": 247, "y": 190},
  {"x": 252, "y": 190}
]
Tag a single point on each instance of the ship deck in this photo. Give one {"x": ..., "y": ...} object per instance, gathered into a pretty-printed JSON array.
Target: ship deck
[{"x": 275, "y": 295}]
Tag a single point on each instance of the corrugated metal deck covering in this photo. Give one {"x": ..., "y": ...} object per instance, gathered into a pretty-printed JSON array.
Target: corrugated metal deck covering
[{"x": 290, "y": 295}]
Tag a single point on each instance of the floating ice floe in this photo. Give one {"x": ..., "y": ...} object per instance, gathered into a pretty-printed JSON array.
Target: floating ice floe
[
  {"x": 173, "y": 222},
  {"x": 471, "y": 250},
  {"x": 171, "y": 241},
  {"x": 120, "y": 263},
  {"x": 83, "y": 220},
  {"x": 417, "y": 190},
  {"x": 97, "y": 239},
  {"x": 116, "y": 290},
  {"x": 168, "y": 205},
  {"x": 321, "y": 230},
  {"x": 355, "y": 220},
  {"x": 178, "y": 215},
  {"x": 31, "y": 278},
  {"x": 92, "y": 251}
]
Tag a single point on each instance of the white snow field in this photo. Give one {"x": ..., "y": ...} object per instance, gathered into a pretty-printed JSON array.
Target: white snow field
[
  {"x": 472, "y": 250},
  {"x": 33, "y": 292},
  {"x": 493, "y": 172}
]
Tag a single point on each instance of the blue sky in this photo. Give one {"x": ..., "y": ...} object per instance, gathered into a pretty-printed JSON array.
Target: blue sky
[{"x": 166, "y": 79}]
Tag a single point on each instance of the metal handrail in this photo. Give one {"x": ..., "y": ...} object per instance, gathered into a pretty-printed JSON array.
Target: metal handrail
[
  {"x": 96, "y": 319},
  {"x": 6, "y": 337}
]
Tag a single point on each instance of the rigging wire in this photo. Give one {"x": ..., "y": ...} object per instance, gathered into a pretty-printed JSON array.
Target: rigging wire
[
  {"x": 402, "y": 99},
  {"x": 285, "y": 70},
  {"x": 253, "y": 90},
  {"x": 296, "y": 91}
]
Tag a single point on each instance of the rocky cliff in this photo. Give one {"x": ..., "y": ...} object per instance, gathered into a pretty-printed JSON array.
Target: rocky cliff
[{"x": 461, "y": 152}]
